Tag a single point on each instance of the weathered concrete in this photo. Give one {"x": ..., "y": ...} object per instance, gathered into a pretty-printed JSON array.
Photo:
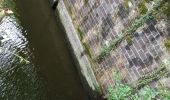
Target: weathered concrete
[{"x": 85, "y": 66}]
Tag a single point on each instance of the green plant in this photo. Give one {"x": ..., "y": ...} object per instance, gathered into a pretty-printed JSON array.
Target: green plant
[
  {"x": 125, "y": 92},
  {"x": 163, "y": 92},
  {"x": 120, "y": 91},
  {"x": 157, "y": 74},
  {"x": 146, "y": 93},
  {"x": 166, "y": 9}
]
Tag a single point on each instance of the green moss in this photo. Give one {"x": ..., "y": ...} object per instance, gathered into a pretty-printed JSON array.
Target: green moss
[
  {"x": 80, "y": 33},
  {"x": 85, "y": 2},
  {"x": 126, "y": 4},
  {"x": 167, "y": 44},
  {"x": 129, "y": 40},
  {"x": 87, "y": 49},
  {"x": 142, "y": 8},
  {"x": 166, "y": 9}
]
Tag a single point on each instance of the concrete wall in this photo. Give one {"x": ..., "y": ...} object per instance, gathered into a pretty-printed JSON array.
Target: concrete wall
[{"x": 84, "y": 64}]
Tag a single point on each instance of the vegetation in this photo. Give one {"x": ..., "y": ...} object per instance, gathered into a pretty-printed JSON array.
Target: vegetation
[
  {"x": 81, "y": 33},
  {"x": 157, "y": 74},
  {"x": 114, "y": 43},
  {"x": 135, "y": 25},
  {"x": 165, "y": 10},
  {"x": 142, "y": 8},
  {"x": 167, "y": 44},
  {"x": 125, "y": 92},
  {"x": 87, "y": 50},
  {"x": 163, "y": 92},
  {"x": 126, "y": 4},
  {"x": 129, "y": 40}
]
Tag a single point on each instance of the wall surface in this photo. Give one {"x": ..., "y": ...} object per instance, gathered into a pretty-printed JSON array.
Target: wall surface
[
  {"x": 121, "y": 36},
  {"x": 76, "y": 45}
]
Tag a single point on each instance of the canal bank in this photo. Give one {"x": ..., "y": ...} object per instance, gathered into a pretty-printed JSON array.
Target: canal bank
[
  {"x": 84, "y": 65},
  {"x": 126, "y": 39},
  {"x": 51, "y": 55}
]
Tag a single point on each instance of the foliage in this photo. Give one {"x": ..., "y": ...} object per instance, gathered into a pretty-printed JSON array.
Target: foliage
[
  {"x": 159, "y": 73},
  {"x": 163, "y": 92},
  {"x": 120, "y": 91},
  {"x": 139, "y": 22},
  {"x": 146, "y": 93},
  {"x": 125, "y": 92},
  {"x": 166, "y": 9},
  {"x": 113, "y": 44}
]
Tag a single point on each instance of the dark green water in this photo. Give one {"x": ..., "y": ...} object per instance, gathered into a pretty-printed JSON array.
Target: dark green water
[{"x": 51, "y": 73}]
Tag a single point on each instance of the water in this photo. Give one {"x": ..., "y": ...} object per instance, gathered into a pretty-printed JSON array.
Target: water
[{"x": 51, "y": 73}]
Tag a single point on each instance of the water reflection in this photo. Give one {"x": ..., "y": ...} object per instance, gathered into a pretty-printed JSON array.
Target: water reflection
[{"x": 18, "y": 79}]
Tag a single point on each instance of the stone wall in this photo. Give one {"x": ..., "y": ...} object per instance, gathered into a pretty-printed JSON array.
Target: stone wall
[{"x": 120, "y": 36}]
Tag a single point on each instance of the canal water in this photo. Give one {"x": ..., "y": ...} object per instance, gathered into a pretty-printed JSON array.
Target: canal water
[{"x": 35, "y": 61}]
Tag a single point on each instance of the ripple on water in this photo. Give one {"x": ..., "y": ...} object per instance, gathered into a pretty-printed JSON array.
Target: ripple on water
[{"x": 18, "y": 80}]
